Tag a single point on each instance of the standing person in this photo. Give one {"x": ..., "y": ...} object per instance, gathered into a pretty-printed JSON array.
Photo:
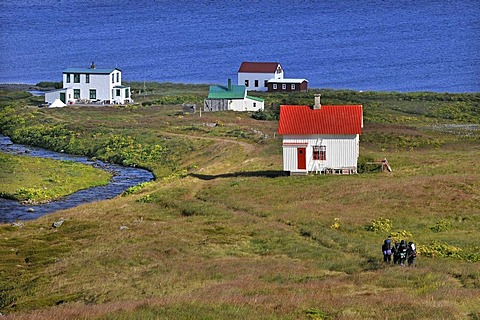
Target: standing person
[
  {"x": 411, "y": 254},
  {"x": 395, "y": 252},
  {"x": 387, "y": 250},
  {"x": 402, "y": 250}
]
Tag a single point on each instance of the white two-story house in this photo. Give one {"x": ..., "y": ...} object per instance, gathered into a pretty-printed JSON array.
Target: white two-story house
[
  {"x": 255, "y": 75},
  {"x": 91, "y": 85}
]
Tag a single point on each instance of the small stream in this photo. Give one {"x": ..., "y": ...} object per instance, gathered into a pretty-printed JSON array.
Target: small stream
[{"x": 122, "y": 179}]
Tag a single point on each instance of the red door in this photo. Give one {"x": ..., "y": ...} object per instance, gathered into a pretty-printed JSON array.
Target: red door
[{"x": 301, "y": 158}]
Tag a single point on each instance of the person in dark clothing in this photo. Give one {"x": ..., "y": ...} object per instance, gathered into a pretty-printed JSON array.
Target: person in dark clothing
[
  {"x": 411, "y": 254},
  {"x": 402, "y": 253},
  {"x": 395, "y": 252},
  {"x": 387, "y": 250}
]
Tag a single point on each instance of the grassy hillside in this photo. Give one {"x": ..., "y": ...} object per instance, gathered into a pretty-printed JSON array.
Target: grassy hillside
[{"x": 222, "y": 232}]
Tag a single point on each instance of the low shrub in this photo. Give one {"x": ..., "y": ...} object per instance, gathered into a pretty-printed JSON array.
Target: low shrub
[
  {"x": 336, "y": 224},
  {"x": 442, "y": 225},
  {"x": 381, "y": 224},
  {"x": 135, "y": 188},
  {"x": 437, "y": 249}
]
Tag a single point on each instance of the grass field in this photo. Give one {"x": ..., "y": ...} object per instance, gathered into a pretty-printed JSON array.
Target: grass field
[
  {"x": 223, "y": 233},
  {"x": 37, "y": 180}
]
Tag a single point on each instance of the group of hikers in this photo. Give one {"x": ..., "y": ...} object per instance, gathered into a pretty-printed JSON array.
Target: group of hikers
[{"x": 401, "y": 251}]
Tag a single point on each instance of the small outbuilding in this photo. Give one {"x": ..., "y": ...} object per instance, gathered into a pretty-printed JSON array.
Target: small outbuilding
[
  {"x": 232, "y": 97},
  {"x": 287, "y": 85},
  {"x": 320, "y": 139}
]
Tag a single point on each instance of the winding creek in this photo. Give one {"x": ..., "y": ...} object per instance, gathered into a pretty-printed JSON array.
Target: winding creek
[{"x": 122, "y": 179}]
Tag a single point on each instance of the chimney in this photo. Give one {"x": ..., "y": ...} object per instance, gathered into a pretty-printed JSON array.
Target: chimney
[
  {"x": 229, "y": 84},
  {"x": 317, "y": 105},
  {"x": 92, "y": 66}
]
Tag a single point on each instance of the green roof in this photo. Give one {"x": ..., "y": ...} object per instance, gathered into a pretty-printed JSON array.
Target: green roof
[
  {"x": 222, "y": 92},
  {"x": 255, "y": 98},
  {"x": 89, "y": 70}
]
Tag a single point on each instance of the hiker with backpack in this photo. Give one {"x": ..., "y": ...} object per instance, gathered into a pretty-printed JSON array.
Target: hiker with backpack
[
  {"x": 387, "y": 250},
  {"x": 402, "y": 253},
  {"x": 411, "y": 254}
]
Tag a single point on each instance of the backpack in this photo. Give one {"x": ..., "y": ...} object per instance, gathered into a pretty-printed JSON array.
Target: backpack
[
  {"x": 386, "y": 249},
  {"x": 413, "y": 250},
  {"x": 388, "y": 244}
]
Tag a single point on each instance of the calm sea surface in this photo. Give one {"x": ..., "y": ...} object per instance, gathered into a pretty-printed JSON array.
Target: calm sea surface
[{"x": 425, "y": 45}]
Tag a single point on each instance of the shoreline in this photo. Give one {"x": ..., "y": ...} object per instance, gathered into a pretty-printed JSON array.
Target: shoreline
[
  {"x": 21, "y": 87},
  {"x": 34, "y": 87}
]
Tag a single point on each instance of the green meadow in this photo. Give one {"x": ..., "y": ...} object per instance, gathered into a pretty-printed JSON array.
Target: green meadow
[
  {"x": 222, "y": 233},
  {"x": 36, "y": 180}
]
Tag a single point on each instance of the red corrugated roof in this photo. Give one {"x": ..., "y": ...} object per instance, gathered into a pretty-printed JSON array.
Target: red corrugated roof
[
  {"x": 327, "y": 120},
  {"x": 258, "y": 67}
]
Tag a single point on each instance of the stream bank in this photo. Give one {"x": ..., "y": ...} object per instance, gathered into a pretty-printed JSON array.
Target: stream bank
[{"x": 122, "y": 179}]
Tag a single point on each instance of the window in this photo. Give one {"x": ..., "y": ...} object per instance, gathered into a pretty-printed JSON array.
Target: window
[
  {"x": 246, "y": 83},
  {"x": 265, "y": 83},
  {"x": 87, "y": 78},
  {"x": 319, "y": 153},
  {"x": 68, "y": 77},
  {"x": 93, "y": 94},
  {"x": 76, "y": 93},
  {"x": 292, "y": 86},
  {"x": 274, "y": 86},
  {"x": 113, "y": 78},
  {"x": 254, "y": 105},
  {"x": 118, "y": 92},
  {"x": 118, "y": 76},
  {"x": 256, "y": 83},
  {"x": 127, "y": 93},
  {"x": 284, "y": 86},
  {"x": 76, "y": 77}
]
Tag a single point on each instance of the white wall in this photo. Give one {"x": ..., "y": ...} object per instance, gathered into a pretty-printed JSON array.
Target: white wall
[
  {"x": 52, "y": 95},
  {"x": 261, "y": 77},
  {"x": 122, "y": 97},
  {"x": 253, "y": 105},
  {"x": 245, "y": 105},
  {"x": 342, "y": 151}
]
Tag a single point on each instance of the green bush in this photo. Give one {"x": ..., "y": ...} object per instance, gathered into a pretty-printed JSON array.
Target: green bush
[
  {"x": 381, "y": 224},
  {"x": 441, "y": 225},
  {"x": 437, "y": 249}
]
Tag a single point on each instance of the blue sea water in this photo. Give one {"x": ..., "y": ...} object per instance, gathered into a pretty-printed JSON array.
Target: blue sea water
[{"x": 424, "y": 45}]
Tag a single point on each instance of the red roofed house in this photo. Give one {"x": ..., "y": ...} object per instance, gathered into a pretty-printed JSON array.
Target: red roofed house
[
  {"x": 255, "y": 75},
  {"x": 322, "y": 139}
]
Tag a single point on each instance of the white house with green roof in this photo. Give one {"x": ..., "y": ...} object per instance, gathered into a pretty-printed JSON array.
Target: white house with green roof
[
  {"x": 231, "y": 97},
  {"x": 91, "y": 85}
]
